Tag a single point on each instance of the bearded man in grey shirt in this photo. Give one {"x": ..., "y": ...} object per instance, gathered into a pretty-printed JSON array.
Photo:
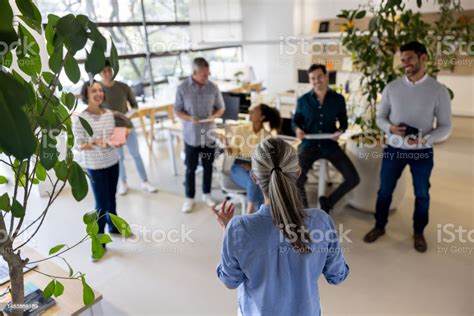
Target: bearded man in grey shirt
[{"x": 415, "y": 112}]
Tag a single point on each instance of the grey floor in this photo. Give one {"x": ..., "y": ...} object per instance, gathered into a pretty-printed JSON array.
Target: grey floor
[{"x": 147, "y": 276}]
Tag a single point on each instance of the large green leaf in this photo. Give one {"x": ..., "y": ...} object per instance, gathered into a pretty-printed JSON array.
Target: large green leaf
[
  {"x": 88, "y": 295},
  {"x": 31, "y": 14},
  {"x": 114, "y": 60},
  {"x": 76, "y": 41},
  {"x": 55, "y": 249},
  {"x": 5, "y": 202},
  {"x": 49, "y": 289},
  {"x": 40, "y": 172},
  {"x": 16, "y": 136},
  {"x": 89, "y": 217},
  {"x": 86, "y": 126},
  {"x": 68, "y": 99},
  {"x": 68, "y": 26},
  {"x": 6, "y": 59},
  {"x": 29, "y": 59},
  {"x": 95, "y": 61},
  {"x": 98, "y": 250},
  {"x": 58, "y": 289},
  {"x": 48, "y": 151},
  {"x": 56, "y": 59},
  {"x": 121, "y": 225},
  {"x": 50, "y": 32},
  {"x": 60, "y": 170},
  {"x": 77, "y": 180},
  {"x": 17, "y": 209},
  {"x": 7, "y": 32},
  {"x": 97, "y": 37},
  {"x": 72, "y": 68},
  {"x": 13, "y": 90}
]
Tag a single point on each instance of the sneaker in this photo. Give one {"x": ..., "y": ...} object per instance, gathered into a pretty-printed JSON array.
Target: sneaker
[
  {"x": 420, "y": 243},
  {"x": 122, "y": 188},
  {"x": 374, "y": 234},
  {"x": 188, "y": 205},
  {"x": 146, "y": 186},
  {"x": 208, "y": 199}
]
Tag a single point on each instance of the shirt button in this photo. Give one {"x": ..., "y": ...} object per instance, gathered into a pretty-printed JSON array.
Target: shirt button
[
  {"x": 321, "y": 115},
  {"x": 320, "y": 123}
]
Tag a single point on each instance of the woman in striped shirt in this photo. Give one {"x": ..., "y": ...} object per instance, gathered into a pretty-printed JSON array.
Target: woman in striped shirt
[{"x": 96, "y": 155}]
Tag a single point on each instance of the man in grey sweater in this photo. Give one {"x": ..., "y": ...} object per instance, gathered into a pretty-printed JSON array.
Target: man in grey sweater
[{"x": 411, "y": 107}]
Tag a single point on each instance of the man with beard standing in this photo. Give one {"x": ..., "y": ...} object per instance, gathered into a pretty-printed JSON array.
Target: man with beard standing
[{"x": 410, "y": 107}]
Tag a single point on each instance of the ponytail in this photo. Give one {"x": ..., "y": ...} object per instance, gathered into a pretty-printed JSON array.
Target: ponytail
[
  {"x": 275, "y": 164},
  {"x": 272, "y": 116}
]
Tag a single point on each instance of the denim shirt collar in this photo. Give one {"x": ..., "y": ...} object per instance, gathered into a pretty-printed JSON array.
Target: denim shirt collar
[{"x": 265, "y": 210}]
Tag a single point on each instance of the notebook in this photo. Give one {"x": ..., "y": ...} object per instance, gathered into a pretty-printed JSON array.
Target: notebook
[{"x": 118, "y": 137}]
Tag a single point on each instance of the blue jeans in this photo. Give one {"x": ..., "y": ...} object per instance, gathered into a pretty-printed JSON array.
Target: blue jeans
[
  {"x": 242, "y": 178},
  {"x": 132, "y": 144},
  {"x": 104, "y": 186},
  {"x": 393, "y": 162}
]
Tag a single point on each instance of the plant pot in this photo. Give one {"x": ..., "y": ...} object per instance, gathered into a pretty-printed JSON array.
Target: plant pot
[{"x": 368, "y": 161}]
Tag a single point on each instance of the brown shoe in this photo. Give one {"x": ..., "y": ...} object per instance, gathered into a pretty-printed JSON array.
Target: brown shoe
[
  {"x": 374, "y": 234},
  {"x": 420, "y": 243}
]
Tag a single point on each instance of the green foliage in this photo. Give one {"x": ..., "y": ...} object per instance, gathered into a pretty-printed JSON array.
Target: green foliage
[
  {"x": 88, "y": 295},
  {"x": 391, "y": 26},
  {"x": 35, "y": 114}
]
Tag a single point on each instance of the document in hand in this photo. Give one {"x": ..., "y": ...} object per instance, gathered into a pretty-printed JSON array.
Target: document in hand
[
  {"x": 319, "y": 136},
  {"x": 118, "y": 137}
]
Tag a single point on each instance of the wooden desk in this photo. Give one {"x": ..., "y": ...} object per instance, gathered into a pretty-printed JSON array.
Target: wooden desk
[
  {"x": 150, "y": 110},
  {"x": 70, "y": 303}
]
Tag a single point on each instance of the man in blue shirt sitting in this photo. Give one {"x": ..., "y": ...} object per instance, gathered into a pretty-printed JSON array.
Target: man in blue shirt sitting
[{"x": 317, "y": 112}]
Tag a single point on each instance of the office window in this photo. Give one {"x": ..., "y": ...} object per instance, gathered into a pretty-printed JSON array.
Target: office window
[
  {"x": 168, "y": 28},
  {"x": 168, "y": 38},
  {"x": 96, "y": 10}
]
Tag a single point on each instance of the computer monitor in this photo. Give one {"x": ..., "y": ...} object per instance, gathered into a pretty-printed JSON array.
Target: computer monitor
[
  {"x": 232, "y": 107},
  {"x": 303, "y": 76}
]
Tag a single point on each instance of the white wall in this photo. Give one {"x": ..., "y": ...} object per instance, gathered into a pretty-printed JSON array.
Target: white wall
[{"x": 265, "y": 21}]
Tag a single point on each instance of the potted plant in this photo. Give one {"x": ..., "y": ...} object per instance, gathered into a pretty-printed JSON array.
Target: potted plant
[
  {"x": 35, "y": 113},
  {"x": 373, "y": 54}
]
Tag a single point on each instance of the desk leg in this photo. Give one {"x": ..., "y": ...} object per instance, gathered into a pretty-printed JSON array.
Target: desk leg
[
  {"x": 323, "y": 164},
  {"x": 145, "y": 133},
  {"x": 172, "y": 152},
  {"x": 152, "y": 129}
]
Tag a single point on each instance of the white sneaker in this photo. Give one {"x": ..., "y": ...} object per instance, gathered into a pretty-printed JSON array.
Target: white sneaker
[
  {"x": 208, "y": 199},
  {"x": 188, "y": 205},
  {"x": 146, "y": 186},
  {"x": 122, "y": 188}
]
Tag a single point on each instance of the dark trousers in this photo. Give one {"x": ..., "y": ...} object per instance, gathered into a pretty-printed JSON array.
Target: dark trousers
[
  {"x": 104, "y": 186},
  {"x": 393, "y": 162},
  {"x": 193, "y": 154},
  {"x": 339, "y": 160}
]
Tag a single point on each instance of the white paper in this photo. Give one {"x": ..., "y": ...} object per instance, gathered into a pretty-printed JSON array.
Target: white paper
[{"x": 319, "y": 136}]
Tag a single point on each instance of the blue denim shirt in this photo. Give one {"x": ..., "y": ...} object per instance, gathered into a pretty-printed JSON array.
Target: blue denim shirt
[{"x": 271, "y": 277}]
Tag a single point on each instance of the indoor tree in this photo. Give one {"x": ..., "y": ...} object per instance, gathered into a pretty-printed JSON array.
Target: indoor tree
[{"x": 35, "y": 113}]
